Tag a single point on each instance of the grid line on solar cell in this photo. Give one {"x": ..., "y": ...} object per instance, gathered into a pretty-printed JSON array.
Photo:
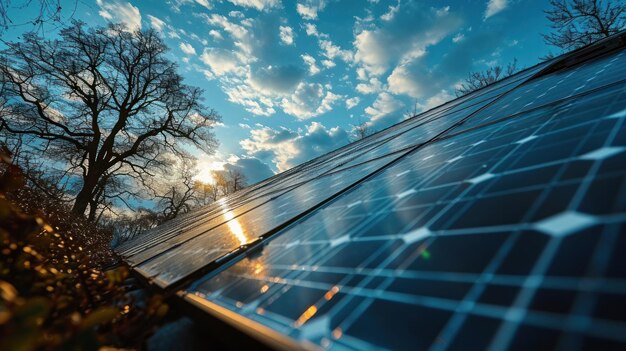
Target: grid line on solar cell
[
  {"x": 162, "y": 233},
  {"x": 595, "y": 152},
  {"x": 144, "y": 261}
]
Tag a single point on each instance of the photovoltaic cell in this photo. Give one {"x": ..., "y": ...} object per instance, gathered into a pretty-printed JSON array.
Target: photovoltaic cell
[
  {"x": 394, "y": 139},
  {"x": 172, "y": 253},
  {"x": 507, "y": 232},
  {"x": 495, "y": 221},
  {"x": 173, "y": 259}
]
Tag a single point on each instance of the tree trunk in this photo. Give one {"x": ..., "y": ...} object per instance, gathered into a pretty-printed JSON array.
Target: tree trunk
[
  {"x": 82, "y": 201},
  {"x": 85, "y": 195}
]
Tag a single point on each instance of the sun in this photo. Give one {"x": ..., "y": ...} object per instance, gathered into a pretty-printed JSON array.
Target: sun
[
  {"x": 205, "y": 177},
  {"x": 205, "y": 172}
]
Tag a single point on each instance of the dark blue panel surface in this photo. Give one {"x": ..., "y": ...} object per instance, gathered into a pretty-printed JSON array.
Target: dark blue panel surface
[{"x": 509, "y": 235}]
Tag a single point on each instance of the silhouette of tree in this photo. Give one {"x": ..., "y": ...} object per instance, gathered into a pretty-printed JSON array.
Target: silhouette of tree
[
  {"x": 577, "y": 23},
  {"x": 44, "y": 11},
  {"x": 179, "y": 194},
  {"x": 236, "y": 180},
  {"x": 477, "y": 80},
  {"x": 106, "y": 104},
  {"x": 360, "y": 131}
]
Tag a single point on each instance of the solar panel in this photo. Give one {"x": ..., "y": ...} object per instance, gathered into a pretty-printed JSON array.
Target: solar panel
[
  {"x": 429, "y": 241},
  {"x": 397, "y": 134},
  {"x": 174, "y": 259},
  {"x": 497, "y": 221},
  {"x": 174, "y": 252}
]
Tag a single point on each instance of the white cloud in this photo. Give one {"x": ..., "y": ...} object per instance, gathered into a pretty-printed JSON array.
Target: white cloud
[
  {"x": 253, "y": 169},
  {"x": 236, "y": 14},
  {"x": 328, "y": 63},
  {"x": 208, "y": 74},
  {"x": 495, "y": 6},
  {"x": 264, "y": 75},
  {"x": 421, "y": 80},
  {"x": 384, "y": 105},
  {"x": 373, "y": 86},
  {"x": 195, "y": 36},
  {"x": 286, "y": 35},
  {"x": 216, "y": 34},
  {"x": 457, "y": 38},
  {"x": 309, "y": 100},
  {"x": 309, "y": 9},
  {"x": 310, "y": 61},
  {"x": 388, "y": 16},
  {"x": 403, "y": 38},
  {"x": 242, "y": 93},
  {"x": 156, "y": 23},
  {"x": 187, "y": 49},
  {"x": 221, "y": 61},
  {"x": 236, "y": 31},
  {"x": 120, "y": 12},
  {"x": 438, "y": 99},
  {"x": 204, "y": 3},
  {"x": 352, "y": 102},
  {"x": 401, "y": 81},
  {"x": 331, "y": 51},
  {"x": 286, "y": 148},
  {"x": 311, "y": 29},
  {"x": 261, "y": 5}
]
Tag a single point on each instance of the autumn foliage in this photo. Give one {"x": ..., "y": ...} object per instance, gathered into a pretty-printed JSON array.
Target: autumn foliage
[{"x": 55, "y": 289}]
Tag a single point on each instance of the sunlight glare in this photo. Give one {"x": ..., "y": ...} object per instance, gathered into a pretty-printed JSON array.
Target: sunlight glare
[
  {"x": 205, "y": 177},
  {"x": 235, "y": 227}
]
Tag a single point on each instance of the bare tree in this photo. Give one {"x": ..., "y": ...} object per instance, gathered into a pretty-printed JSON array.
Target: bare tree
[
  {"x": 104, "y": 102},
  {"x": 361, "y": 130},
  {"x": 236, "y": 180},
  {"x": 180, "y": 193},
  {"x": 225, "y": 182},
  {"x": 411, "y": 113},
  {"x": 128, "y": 226},
  {"x": 477, "y": 80},
  {"x": 577, "y": 23},
  {"x": 207, "y": 193},
  {"x": 44, "y": 11}
]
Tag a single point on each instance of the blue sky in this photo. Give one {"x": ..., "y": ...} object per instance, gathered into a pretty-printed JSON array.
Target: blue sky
[{"x": 290, "y": 78}]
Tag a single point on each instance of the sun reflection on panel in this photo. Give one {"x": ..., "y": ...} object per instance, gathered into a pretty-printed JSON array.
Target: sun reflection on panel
[
  {"x": 235, "y": 227},
  {"x": 310, "y": 312}
]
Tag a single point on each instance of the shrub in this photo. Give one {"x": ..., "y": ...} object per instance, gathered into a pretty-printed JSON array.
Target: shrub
[{"x": 55, "y": 292}]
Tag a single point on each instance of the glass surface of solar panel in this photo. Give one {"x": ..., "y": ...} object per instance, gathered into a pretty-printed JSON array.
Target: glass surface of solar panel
[
  {"x": 298, "y": 174},
  {"x": 175, "y": 237},
  {"x": 171, "y": 260},
  {"x": 394, "y": 139},
  {"x": 560, "y": 85},
  {"x": 510, "y": 235}
]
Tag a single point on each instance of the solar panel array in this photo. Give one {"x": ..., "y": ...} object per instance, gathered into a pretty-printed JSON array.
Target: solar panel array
[{"x": 496, "y": 221}]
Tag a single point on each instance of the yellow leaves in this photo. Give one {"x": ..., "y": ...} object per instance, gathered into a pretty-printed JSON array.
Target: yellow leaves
[
  {"x": 76, "y": 318},
  {"x": 53, "y": 293},
  {"x": 116, "y": 276},
  {"x": 102, "y": 315},
  {"x": 157, "y": 307},
  {"x": 45, "y": 226},
  {"x": 8, "y": 293}
]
